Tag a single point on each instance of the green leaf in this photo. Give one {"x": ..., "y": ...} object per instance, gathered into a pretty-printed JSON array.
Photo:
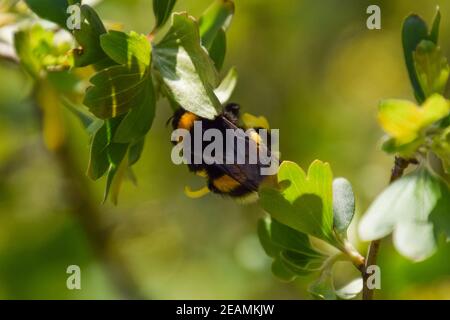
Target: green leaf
[
  {"x": 37, "y": 50},
  {"x": 98, "y": 162},
  {"x": 306, "y": 204},
  {"x": 116, "y": 90},
  {"x": 213, "y": 24},
  {"x": 52, "y": 10},
  {"x": 441, "y": 146},
  {"x": 406, "y": 122},
  {"x": 218, "y": 49},
  {"x": 282, "y": 272},
  {"x": 104, "y": 151},
  {"x": 404, "y": 208},
  {"x": 135, "y": 152},
  {"x": 434, "y": 33},
  {"x": 299, "y": 215},
  {"x": 343, "y": 204},
  {"x": 162, "y": 10},
  {"x": 123, "y": 48},
  {"x": 217, "y": 17},
  {"x": 405, "y": 150},
  {"x": 265, "y": 237},
  {"x": 323, "y": 288},
  {"x": 445, "y": 123},
  {"x": 226, "y": 88},
  {"x": 432, "y": 68},
  {"x": 88, "y": 37},
  {"x": 108, "y": 157},
  {"x": 414, "y": 31},
  {"x": 291, "y": 250},
  {"x": 86, "y": 119},
  {"x": 186, "y": 69},
  {"x": 117, "y": 172},
  {"x": 301, "y": 264},
  {"x": 126, "y": 88},
  {"x": 276, "y": 237},
  {"x": 139, "y": 120}
]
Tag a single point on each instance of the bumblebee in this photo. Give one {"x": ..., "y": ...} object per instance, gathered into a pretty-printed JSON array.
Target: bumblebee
[{"x": 239, "y": 181}]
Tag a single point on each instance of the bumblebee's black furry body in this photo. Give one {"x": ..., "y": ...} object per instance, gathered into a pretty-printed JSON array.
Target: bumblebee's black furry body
[{"x": 235, "y": 180}]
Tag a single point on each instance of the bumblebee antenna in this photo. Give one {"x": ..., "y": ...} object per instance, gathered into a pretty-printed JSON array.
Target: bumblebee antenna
[{"x": 169, "y": 120}]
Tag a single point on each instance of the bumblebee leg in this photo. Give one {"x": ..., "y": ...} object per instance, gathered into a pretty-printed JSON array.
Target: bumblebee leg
[
  {"x": 202, "y": 174},
  {"x": 196, "y": 194},
  {"x": 251, "y": 121}
]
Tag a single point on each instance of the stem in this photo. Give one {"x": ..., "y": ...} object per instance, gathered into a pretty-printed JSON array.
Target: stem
[
  {"x": 355, "y": 257},
  {"x": 371, "y": 260},
  {"x": 78, "y": 196},
  {"x": 17, "y": 160},
  {"x": 397, "y": 172}
]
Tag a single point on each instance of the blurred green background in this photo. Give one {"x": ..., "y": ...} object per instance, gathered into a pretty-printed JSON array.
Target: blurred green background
[{"x": 311, "y": 67}]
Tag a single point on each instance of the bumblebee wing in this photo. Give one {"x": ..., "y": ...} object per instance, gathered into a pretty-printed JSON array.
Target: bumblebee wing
[
  {"x": 252, "y": 140},
  {"x": 246, "y": 174}
]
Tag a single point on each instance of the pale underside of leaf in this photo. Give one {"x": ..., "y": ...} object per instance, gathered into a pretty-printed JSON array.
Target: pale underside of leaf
[{"x": 404, "y": 209}]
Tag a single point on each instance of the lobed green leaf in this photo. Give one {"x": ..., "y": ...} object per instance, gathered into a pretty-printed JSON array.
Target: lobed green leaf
[
  {"x": 116, "y": 90},
  {"x": 139, "y": 120},
  {"x": 306, "y": 205},
  {"x": 123, "y": 48}
]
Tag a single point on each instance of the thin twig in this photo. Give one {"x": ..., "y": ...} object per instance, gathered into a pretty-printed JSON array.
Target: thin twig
[
  {"x": 355, "y": 257},
  {"x": 78, "y": 196},
  {"x": 17, "y": 160},
  {"x": 397, "y": 172}
]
